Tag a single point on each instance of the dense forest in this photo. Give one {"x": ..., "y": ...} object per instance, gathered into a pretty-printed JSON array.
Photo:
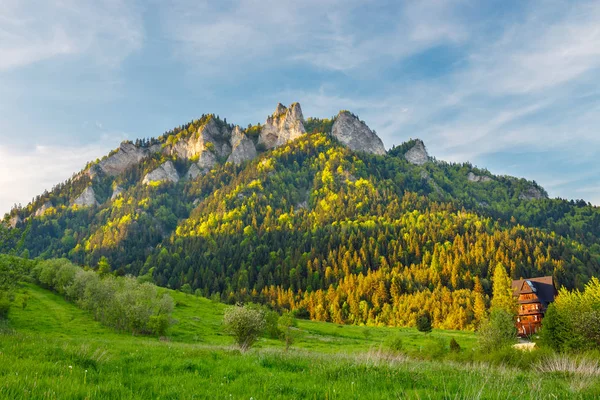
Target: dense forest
[{"x": 314, "y": 227}]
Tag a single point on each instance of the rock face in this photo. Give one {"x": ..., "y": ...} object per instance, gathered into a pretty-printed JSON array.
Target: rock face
[
  {"x": 14, "y": 221},
  {"x": 417, "y": 155},
  {"x": 127, "y": 155},
  {"x": 42, "y": 210},
  {"x": 118, "y": 191},
  {"x": 284, "y": 125},
  {"x": 193, "y": 172},
  {"x": 243, "y": 148},
  {"x": 165, "y": 173},
  {"x": 87, "y": 198},
  {"x": 208, "y": 138},
  {"x": 478, "y": 178},
  {"x": 532, "y": 193},
  {"x": 355, "y": 134}
]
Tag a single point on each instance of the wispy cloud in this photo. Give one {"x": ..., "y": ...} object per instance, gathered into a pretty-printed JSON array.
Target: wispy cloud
[{"x": 33, "y": 31}]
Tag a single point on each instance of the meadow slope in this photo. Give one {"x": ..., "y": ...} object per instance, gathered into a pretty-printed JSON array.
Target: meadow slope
[{"x": 51, "y": 349}]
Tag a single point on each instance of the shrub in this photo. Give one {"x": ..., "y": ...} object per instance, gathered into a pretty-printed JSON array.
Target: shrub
[
  {"x": 287, "y": 324},
  {"x": 394, "y": 343},
  {"x": 497, "y": 331},
  {"x": 424, "y": 322},
  {"x": 4, "y": 307},
  {"x": 454, "y": 346},
  {"x": 245, "y": 324}
]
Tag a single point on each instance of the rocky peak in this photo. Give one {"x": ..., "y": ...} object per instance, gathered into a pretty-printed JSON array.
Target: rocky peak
[
  {"x": 243, "y": 148},
  {"x": 417, "y": 155},
  {"x": 209, "y": 137},
  {"x": 355, "y": 134},
  {"x": 127, "y": 155},
  {"x": 281, "y": 109},
  {"x": 87, "y": 198},
  {"x": 165, "y": 173},
  {"x": 284, "y": 125}
]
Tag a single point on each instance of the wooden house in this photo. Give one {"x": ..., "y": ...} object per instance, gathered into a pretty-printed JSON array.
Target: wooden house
[{"x": 533, "y": 296}]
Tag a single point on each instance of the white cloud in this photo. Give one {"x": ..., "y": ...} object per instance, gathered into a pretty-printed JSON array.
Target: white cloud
[
  {"x": 26, "y": 173},
  {"x": 33, "y": 31}
]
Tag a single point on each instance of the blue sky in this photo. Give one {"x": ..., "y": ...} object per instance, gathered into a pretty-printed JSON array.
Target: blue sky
[{"x": 510, "y": 86}]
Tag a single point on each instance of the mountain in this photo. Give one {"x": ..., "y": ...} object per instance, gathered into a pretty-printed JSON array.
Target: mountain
[{"x": 312, "y": 215}]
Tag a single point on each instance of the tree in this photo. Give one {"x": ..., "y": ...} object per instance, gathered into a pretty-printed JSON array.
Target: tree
[
  {"x": 503, "y": 298},
  {"x": 103, "y": 267},
  {"x": 245, "y": 324},
  {"x": 287, "y": 325},
  {"x": 497, "y": 331},
  {"x": 424, "y": 322}
]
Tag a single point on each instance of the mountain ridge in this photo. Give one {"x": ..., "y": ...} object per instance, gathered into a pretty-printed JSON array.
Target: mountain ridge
[{"x": 313, "y": 221}]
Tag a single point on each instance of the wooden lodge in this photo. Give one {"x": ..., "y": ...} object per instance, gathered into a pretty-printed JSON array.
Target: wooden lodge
[{"x": 533, "y": 296}]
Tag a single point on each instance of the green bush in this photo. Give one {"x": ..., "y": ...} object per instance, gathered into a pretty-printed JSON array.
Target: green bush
[
  {"x": 424, "y": 322},
  {"x": 4, "y": 307},
  {"x": 245, "y": 324},
  {"x": 497, "y": 331},
  {"x": 394, "y": 343},
  {"x": 454, "y": 346}
]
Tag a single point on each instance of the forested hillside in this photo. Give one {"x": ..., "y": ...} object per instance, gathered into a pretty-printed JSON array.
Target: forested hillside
[{"x": 315, "y": 224}]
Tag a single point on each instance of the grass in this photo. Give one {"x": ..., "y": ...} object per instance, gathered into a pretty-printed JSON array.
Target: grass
[{"x": 51, "y": 349}]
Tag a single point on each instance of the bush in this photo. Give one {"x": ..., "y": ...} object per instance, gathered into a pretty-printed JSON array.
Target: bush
[
  {"x": 454, "y": 346},
  {"x": 245, "y": 324},
  {"x": 394, "y": 343},
  {"x": 424, "y": 322},
  {"x": 4, "y": 307},
  {"x": 497, "y": 331},
  {"x": 287, "y": 323}
]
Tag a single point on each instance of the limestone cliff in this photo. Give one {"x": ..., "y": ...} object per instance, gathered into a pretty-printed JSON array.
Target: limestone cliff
[
  {"x": 126, "y": 156},
  {"x": 472, "y": 177},
  {"x": 118, "y": 191},
  {"x": 42, "y": 210},
  {"x": 355, "y": 134},
  {"x": 284, "y": 125},
  {"x": 417, "y": 154},
  {"x": 243, "y": 148},
  {"x": 87, "y": 198},
  {"x": 165, "y": 173}
]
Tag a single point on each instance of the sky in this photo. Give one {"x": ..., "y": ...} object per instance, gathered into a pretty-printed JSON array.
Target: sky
[{"x": 511, "y": 86}]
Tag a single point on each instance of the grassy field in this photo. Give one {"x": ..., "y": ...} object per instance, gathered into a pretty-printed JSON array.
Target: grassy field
[{"x": 51, "y": 349}]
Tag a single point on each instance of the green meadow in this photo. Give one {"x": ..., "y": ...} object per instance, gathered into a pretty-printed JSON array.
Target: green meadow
[{"x": 50, "y": 349}]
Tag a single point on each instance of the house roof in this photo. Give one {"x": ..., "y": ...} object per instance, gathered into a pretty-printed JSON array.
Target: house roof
[{"x": 543, "y": 287}]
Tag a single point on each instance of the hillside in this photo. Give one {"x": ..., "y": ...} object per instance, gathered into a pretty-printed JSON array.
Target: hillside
[{"x": 312, "y": 215}]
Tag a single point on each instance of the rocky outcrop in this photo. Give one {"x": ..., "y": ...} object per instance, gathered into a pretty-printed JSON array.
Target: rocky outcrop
[
  {"x": 209, "y": 138},
  {"x": 243, "y": 148},
  {"x": 207, "y": 161},
  {"x": 126, "y": 156},
  {"x": 284, "y": 125},
  {"x": 355, "y": 134},
  {"x": 87, "y": 198},
  {"x": 532, "y": 193},
  {"x": 193, "y": 172},
  {"x": 14, "y": 222},
  {"x": 42, "y": 210},
  {"x": 118, "y": 191},
  {"x": 165, "y": 173},
  {"x": 478, "y": 178},
  {"x": 417, "y": 155}
]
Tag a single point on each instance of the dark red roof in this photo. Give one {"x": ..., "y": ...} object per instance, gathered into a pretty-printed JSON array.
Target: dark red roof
[{"x": 543, "y": 287}]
